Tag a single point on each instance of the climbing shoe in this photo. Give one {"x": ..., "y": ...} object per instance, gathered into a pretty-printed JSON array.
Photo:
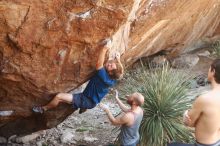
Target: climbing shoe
[
  {"x": 82, "y": 110},
  {"x": 38, "y": 109}
]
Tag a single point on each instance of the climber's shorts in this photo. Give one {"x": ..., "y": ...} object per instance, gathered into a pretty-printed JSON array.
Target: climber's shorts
[{"x": 81, "y": 101}]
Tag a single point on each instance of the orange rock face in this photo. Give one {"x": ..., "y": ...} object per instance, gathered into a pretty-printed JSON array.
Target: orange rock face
[{"x": 51, "y": 46}]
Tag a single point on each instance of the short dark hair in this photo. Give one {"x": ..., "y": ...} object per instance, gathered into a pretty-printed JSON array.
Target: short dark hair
[{"x": 215, "y": 66}]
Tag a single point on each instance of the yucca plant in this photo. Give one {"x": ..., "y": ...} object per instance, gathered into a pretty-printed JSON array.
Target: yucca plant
[
  {"x": 216, "y": 48},
  {"x": 165, "y": 91}
]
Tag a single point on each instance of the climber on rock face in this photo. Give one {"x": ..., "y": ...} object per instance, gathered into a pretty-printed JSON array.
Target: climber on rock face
[{"x": 98, "y": 86}]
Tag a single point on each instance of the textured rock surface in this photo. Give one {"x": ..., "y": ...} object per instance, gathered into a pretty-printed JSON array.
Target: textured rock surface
[{"x": 51, "y": 46}]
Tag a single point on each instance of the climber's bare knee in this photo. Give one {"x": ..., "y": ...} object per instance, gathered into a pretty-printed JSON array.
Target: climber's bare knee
[{"x": 64, "y": 97}]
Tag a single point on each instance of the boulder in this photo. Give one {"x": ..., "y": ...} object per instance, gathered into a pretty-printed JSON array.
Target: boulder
[
  {"x": 185, "y": 61},
  {"x": 52, "y": 46}
]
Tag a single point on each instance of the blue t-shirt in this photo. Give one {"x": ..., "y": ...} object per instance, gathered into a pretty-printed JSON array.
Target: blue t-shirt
[{"x": 98, "y": 85}]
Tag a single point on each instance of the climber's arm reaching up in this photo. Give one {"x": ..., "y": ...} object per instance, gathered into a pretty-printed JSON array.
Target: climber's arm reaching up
[{"x": 101, "y": 58}]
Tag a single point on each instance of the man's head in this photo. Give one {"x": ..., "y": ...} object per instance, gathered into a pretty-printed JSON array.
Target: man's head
[
  {"x": 214, "y": 71},
  {"x": 114, "y": 69},
  {"x": 135, "y": 99}
]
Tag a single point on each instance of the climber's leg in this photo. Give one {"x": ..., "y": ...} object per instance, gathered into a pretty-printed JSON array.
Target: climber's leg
[{"x": 61, "y": 97}]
